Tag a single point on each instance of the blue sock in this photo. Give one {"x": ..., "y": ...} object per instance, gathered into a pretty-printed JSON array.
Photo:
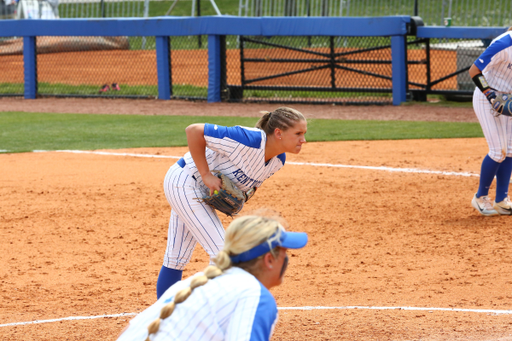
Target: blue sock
[
  {"x": 166, "y": 279},
  {"x": 503, "y": 179},
  {"x": 487, "y": 173}
]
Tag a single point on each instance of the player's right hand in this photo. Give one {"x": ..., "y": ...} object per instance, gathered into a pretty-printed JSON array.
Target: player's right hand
[{"x": 212, "y": 182}]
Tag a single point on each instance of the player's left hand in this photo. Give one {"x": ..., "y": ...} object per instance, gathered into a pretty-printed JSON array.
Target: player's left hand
[{"x": 490, "y": 95}]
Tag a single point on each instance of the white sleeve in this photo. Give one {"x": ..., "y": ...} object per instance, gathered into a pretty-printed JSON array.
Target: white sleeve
[{"x": 138, "y": 328}]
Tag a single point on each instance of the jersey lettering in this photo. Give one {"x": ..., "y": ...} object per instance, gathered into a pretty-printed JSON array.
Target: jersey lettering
[{"x": 244, "y": 179}]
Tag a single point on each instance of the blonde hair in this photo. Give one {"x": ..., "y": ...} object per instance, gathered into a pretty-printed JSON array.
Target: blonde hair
[
  {"x": 242, "y": 234},
  {"x": 509, "y": 29},
  {"x": 282, "y": 118}
]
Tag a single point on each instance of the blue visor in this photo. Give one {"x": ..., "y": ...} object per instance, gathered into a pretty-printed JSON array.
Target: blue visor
[{"x": 289, "y": 240}]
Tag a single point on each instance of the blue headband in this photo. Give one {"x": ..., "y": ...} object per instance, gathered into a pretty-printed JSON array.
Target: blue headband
[
  {"x": 258, "y": 250},
  {"x": 289, "y": 240}
]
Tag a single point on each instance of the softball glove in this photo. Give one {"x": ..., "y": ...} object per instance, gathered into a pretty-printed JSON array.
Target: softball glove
[
  {"x": 229, "y": 200},
  {"x": 502, "y": 104}
]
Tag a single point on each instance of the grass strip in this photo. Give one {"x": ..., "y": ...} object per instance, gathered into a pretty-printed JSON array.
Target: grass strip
[{"x": 21, "y": 132}]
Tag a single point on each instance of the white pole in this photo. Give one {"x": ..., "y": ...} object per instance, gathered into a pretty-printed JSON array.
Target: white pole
[
  {"x": 215, "y": 7},
  {"x": 146, "y": 14}
]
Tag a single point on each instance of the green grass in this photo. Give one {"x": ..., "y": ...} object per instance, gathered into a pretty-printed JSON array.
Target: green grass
[
  {"x": 87, "y": 89},
  {"x": 355, "y": 96},
  {"x": 12, "y": 88},
  {"x": 21, "y": 132},
  {"x": 136, "y": 9},
  {"x": 185, "y": 90}
]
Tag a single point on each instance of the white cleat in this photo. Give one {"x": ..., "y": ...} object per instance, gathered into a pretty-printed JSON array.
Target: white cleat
[
  {"x": 484, "y": 206},
  {"x": 504, "y": 207}
]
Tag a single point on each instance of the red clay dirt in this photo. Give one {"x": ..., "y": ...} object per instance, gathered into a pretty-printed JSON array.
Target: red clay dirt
[{"x": 84, "y": 234}]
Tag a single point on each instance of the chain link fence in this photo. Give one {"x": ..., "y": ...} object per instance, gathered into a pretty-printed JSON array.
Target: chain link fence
[
  {"x": 308, "y": 69},
  {"x": 106, "y": 66},
  {"x": 53, "y": 9},
  {"x": 433, "y": 12},
  {"x": 440, "y": 66},
  {"x": 349, "y": 70},
  {"x": 483, "y": 13}
]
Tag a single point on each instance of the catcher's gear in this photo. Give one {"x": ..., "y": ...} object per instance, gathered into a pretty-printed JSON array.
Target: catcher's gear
[
  {"x": 229, "y": 200},
  {"x": 502, "y": 104}
]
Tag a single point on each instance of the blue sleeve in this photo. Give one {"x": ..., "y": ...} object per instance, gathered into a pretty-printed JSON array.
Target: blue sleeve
[
  {"x": 265, "y": 318},
  {"x": 496, "y": 47},
  {"x": 282, "y": 157},
  {"x": 246, "y": 137}
]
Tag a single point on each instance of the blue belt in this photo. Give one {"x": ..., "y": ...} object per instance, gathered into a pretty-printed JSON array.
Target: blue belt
[{"x": 181, "y": 162}]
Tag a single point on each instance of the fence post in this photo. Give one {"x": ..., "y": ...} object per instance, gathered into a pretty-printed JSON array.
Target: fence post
[
  {"x": 214, "y": 68},
  {"x": 399, "y": 69},
  {"x": 30, "y": 66},
  {"x": 163, "y": 66}
]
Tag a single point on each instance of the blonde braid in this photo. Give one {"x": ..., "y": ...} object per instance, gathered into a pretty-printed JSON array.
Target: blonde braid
[
  {"x": 208, "y": 273},
  {"x": 243, "y": 234}
]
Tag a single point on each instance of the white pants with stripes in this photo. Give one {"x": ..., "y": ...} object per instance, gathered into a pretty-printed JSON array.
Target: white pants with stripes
[
  {"x": 191, "y": 221},
  {"x": 497, "y": 130}
]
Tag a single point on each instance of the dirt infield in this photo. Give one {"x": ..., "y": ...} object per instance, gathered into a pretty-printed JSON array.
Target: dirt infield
[{"x": 84, "y": 235}]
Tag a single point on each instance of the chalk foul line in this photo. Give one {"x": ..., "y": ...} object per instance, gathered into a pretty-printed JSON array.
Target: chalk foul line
[
  {"x": 71, "y": 318},
  {"x": 388, "y": 169},
  {"x": 488, "y": 311},
  {"x": 109, "y": 153}
]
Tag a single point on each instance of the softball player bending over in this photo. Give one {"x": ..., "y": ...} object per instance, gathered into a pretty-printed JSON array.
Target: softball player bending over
[
  {"x": 248, "y": 156},
  {"x": 229, "y": 301},
  {"x": 491, "y": 72}
]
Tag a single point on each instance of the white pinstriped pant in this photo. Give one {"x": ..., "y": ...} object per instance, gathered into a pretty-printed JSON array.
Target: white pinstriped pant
[
  {"x": 191, "y": 221},
  {"x": 497, "y": 130}
]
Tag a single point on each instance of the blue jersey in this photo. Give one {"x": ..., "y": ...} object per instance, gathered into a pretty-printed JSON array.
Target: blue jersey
[
  {"x": 239, "y": 153},
  {"x": 234, "y": 306},
  {"x": 496, "y": 63}
]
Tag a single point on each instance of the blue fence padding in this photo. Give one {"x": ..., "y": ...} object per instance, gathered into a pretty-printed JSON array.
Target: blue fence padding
[
  {"x": 399, "y": 69},
  {"x": 163, "y": 68},
  {"x": 459, "y": 32},
  {"x": 30, "y": 67},
  {"x": 216, "y": 25},
  {"x": 214, "y": 65}
]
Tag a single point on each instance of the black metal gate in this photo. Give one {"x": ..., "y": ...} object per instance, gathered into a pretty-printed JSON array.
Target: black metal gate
[
  {"x": 345, "y": 70},
  {"x": 437, "y": 76}
]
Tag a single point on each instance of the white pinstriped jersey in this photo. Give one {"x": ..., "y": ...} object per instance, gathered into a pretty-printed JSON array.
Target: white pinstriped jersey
[
  {"x": 232, "y": 307},
  {"x": 496, "y": 63},
  {"x": 239, "y": 153},
  {"x": 496, "y": 66}
]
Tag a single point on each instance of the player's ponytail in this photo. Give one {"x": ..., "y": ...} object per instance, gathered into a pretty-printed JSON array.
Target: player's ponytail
[
  {"x": 241, "y": 235},
  {"x": 282, "y": 118}
]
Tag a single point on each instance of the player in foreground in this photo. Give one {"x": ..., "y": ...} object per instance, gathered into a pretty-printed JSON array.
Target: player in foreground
[
  {"x": 229, "y": 301},
  {"x": 492, "y": 74},
  {"x": 247, "y": 156}
]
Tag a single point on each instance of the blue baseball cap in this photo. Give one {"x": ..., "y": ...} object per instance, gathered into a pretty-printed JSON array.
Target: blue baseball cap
[{"x": 289, "y": 240}]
